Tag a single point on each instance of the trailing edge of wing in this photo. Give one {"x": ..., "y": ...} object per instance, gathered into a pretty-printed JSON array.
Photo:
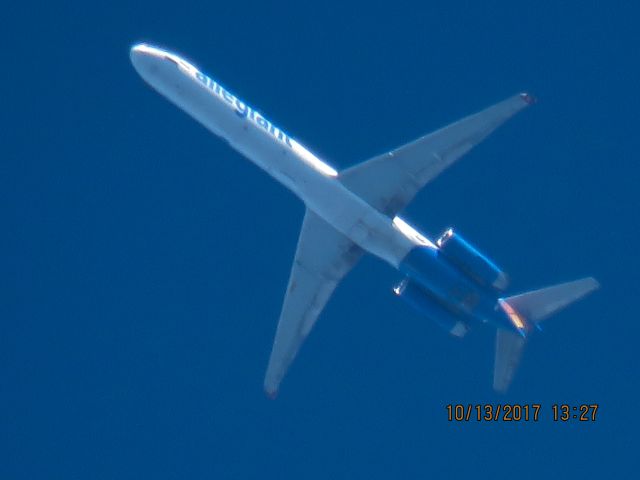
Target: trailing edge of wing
[
  {"x": 323, "y": 257},
  {"x": 389, "y": 182}
]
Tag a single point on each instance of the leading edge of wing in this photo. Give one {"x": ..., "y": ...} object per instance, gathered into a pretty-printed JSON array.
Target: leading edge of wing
[
  {"x": 389, "y": 181},
  {"x": 323, "y": 257}
]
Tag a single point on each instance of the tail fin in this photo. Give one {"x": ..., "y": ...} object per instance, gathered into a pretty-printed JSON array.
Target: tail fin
[{"x": 534, "y": 306}]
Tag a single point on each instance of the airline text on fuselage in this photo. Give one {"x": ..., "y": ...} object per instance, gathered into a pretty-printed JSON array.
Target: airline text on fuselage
[{"x": 243, "y": 110}]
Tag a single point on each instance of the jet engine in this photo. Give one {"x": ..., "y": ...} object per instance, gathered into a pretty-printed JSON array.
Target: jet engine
[
  {"x": 470, "y": 261},
  {"x": 421, "y": 301}
]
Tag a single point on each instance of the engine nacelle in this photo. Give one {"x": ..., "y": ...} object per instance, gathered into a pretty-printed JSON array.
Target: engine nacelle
[
  {"x": 470, "y": 261},
  {"x": 421, "y": 301}
]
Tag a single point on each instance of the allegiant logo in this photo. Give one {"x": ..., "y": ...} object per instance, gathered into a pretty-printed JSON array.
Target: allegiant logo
[{"x": 243, "y": 110}]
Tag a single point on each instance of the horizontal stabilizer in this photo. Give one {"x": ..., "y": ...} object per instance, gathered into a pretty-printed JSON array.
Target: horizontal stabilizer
[
  {"x": 538, "y": 305},
  {"x": 509, "y": 346},
  {"x": 534, "y": 306}
]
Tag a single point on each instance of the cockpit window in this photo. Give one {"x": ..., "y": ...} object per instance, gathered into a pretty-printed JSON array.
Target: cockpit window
[{"x": 171, "y": 59}]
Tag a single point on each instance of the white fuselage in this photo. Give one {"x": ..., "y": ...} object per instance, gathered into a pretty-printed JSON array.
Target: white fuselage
[{"x": 254, "y": 136}]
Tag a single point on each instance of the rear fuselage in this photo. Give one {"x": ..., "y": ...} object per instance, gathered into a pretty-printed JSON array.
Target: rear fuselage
[{"x": 453, "y": 289}]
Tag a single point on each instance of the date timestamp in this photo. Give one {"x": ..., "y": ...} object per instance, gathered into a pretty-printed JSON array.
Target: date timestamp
[{"x": 531, "y": 412}]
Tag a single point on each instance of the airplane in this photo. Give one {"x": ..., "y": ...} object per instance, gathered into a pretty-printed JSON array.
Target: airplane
[{"x": 356, "y": 210}]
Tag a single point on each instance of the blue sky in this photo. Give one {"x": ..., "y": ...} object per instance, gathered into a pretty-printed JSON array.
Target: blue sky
[{"x": 144, "y": 262}]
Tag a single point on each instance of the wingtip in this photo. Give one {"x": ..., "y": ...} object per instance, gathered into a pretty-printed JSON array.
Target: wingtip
[
  {"x": 498, "y": 388},
  {"x": 271, "y": 383},
  {"x": 271, "y": 394},
  {"x": 593, "y": 283},
  {"x": 528, "y": 98}
]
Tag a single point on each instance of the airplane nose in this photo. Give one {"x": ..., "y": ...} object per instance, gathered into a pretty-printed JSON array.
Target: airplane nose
[
  {"x": 138, "y": 52},
  {"x": 135, "y": 55},
  {"x": 154, "y": 64},
  {"x": 143, "y": 49},
  {"x": 144, "y": 59}
]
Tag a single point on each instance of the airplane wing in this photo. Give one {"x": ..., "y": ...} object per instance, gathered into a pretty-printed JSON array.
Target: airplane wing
[
  {"x": 389, "y": 182},
  {"x": 509, "y": 346},
  {"x": 323, "y": 257}
]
